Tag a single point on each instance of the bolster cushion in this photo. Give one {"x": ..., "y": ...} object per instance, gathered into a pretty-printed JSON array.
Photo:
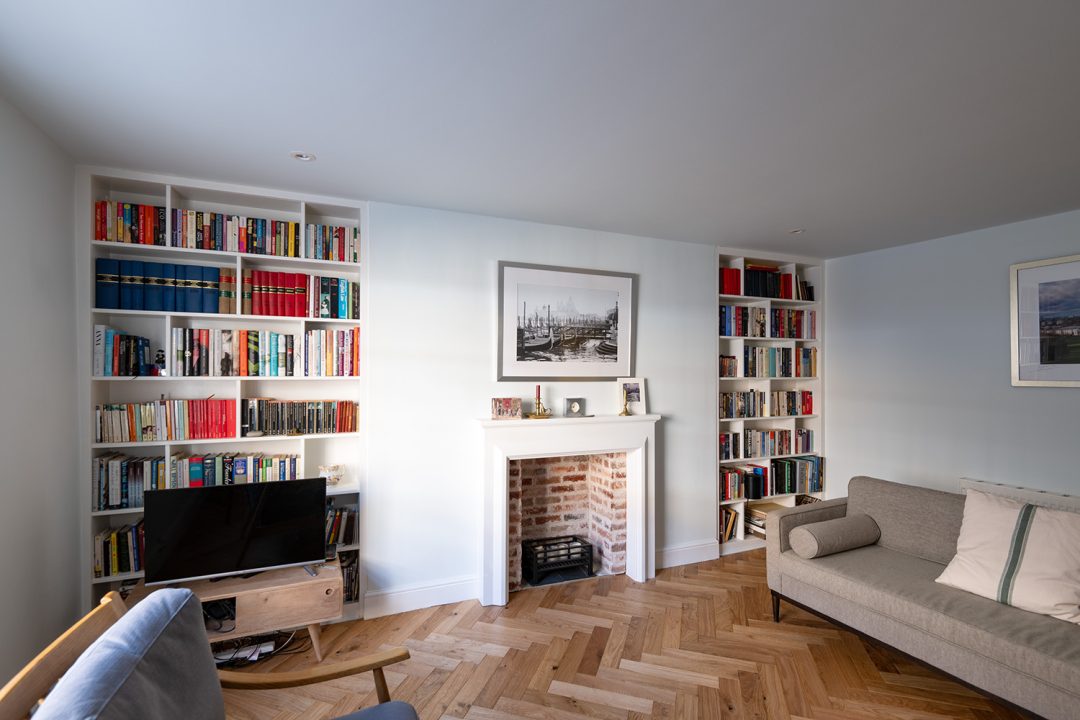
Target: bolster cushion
[{"x": 832, "y": 536}]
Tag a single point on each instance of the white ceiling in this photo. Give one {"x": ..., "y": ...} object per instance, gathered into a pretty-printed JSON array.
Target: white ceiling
[{"x": 869, "y": 122}]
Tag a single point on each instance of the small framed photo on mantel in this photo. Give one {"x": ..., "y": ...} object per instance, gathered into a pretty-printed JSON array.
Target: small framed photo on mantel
[
  {"x": 634, "y": 398},
  {"x": 1045, "y": 322},
  {"x": 506, "y": 408}
]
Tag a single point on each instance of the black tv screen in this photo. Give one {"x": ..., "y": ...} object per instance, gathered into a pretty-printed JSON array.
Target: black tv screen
[{"x": 207, "y": 532}]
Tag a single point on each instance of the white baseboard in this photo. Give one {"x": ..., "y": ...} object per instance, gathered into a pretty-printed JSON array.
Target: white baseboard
[
  {"x": 687, "y": 553},
  {"x": 416, "y": 597}
]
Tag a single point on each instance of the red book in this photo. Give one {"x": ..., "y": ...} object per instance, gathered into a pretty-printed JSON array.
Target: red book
[
  {"x": 256, "y": 292},
  {"x": 99, "y": 214},
  {"x": 340, "y": 243},
  {"x": 231, "y": 418},
  {"x": 276, "y": 294},
  {"x": 299, "y": 294},
  {"x": 786, "y": 286}
]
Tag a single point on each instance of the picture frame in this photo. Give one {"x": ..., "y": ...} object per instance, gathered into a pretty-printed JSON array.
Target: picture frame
[
  {"x": 1044, "y": 322},
  {"x": 635, "y": 395},
  {"x": 574, "y": 407},
  {"x": 506, "y": 409},
  {"x": 565, "y": 323}
]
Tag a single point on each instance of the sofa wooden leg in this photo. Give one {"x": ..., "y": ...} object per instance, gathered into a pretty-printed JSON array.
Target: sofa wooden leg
[{"x": 775, "y": 606}]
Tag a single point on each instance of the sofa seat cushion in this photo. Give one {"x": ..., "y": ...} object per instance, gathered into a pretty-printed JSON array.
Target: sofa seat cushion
[{"x": 902, "y": 587}]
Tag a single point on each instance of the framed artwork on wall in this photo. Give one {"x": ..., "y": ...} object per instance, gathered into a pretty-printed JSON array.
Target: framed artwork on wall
[
  {"x": 1045, "y": 322},
  {"x": 568, "y": 323}
]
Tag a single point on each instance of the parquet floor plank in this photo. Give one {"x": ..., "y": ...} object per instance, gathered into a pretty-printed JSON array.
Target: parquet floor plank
[{"x": 698, "y": 642}]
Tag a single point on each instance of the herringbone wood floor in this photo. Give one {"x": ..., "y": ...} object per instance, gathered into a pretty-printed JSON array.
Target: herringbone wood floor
[{"x": 698, "y": 642}]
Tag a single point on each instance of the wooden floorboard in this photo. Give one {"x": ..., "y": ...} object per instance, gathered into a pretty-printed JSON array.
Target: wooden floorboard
[{"x": 698, "y": 642}]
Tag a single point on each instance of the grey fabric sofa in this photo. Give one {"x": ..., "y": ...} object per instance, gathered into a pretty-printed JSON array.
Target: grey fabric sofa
[{"x": 887, "y": 591}]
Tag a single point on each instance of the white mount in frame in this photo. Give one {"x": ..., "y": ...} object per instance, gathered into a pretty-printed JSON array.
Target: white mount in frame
[{"x": 1045, "y": 322}]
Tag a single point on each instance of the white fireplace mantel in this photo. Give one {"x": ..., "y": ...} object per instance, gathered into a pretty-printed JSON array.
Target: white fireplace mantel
[{"x": 506, "y": 440}]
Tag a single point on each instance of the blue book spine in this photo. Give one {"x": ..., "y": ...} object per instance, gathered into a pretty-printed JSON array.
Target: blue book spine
[
  {"x": 154, "y": 288},
  {"x": 292, "y": 467},
  {"x": 138, "y": 279},
  {"x": 144, "y": 355},
  {"x": 343, "y": 298},
  {"x": 211, "y": 285},
  {"x": 240, "y": 470},
  {"x": 273, "y": 355},
  {"x": 192, "y": 292},
  {"x": 127, "y": 291},
  {"x": 168, "y": 287},
  {"x": 110, "y": 338},
  {"x": 281, "y": 469},
  {"x": 107, "y": 287}
]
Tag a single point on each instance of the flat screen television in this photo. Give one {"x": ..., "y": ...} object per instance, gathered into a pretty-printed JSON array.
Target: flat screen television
[{"x": 207, "y": 532}]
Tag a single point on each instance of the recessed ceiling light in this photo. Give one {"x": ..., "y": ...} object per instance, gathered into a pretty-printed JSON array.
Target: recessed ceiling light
[
  {"x": 796, "y": 231},
  {"x": 302, "y": 156}
]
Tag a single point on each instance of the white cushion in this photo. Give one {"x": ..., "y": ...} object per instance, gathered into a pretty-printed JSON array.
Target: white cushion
[{"x": 1019, "y": 554}]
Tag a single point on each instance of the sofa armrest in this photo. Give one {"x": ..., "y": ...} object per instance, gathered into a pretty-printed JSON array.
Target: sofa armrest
[{"x": 779, "y": 524}]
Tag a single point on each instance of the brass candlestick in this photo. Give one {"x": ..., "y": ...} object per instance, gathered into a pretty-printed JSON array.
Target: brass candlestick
[{"x": 625, "y": 404}]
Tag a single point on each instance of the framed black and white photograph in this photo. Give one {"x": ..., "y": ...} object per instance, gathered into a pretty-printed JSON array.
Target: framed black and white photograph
[
  {"x": 569, "y": 323},
  {"x": 1045, "y": 322}
]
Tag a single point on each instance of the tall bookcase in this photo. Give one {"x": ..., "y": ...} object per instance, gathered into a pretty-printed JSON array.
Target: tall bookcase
[
  {"x": 759, "y": 340},
  {"x": 311, "y": 450}
]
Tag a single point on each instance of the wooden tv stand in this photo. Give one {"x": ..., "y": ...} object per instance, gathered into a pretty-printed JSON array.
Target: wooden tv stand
[{"x": 273, "y": 600}]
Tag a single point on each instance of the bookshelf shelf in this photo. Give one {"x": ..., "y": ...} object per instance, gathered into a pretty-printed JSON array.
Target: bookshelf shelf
[
  {"x": 801, "y": 282},
  {"x": 286, "y": 217}
]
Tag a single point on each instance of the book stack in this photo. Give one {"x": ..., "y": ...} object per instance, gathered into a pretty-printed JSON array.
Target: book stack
[
  {"x": 164, "y": 420},
  {"x": 232, "y": 468},
  {"x": 748, "y": 404},
  {"x": 332, "y": 242},
  {"x": 729, "y": 446},
  {"x": 806, "y": 362},
  {"x": 730, "y": 281},
  {"x": 799, "y": 474},
  {"x": 739, "y": 321},
  {"x": 729, "y": 366},
  {"x": 731, "y": 484},
  {"x": 755, "y": 481},
  {"x": 214, "y": 352},
  {"x": 118, "y": 354},
  {"x": 729, "y": 520},
  {"x": 129, "y": 223},
  {"x": 794, "y": 324},
  {"x": 266, "y": 416},
  {"x": 791, "y": 402},
  {"x": 350, "y": 576},
  {"x": 299, "y": 295},
  {"x": 205, "y": 230},
  {"x": 163, "y": 287},
  {"x": 757, "y": 517},
  {"x": 340, "y": 525},
  {"x": 119, "y": 482},
  {"x": 332, "y": 353},
  {"x": 764, "y": 443},
  {"x": 119, "y": 550},
  {"x": 767, "y": 281}
]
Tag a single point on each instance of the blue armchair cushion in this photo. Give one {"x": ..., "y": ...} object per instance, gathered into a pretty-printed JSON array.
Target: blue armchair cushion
[{"x": 154, "y": 662}]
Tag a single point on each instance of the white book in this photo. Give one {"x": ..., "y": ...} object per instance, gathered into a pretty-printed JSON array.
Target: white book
[{"x": 99, "y": 350}]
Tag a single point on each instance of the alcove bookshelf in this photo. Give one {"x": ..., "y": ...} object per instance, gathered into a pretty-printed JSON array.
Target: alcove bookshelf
[
  {"x": 769, "y": 371},
  {"x": 293, "y": 227}
]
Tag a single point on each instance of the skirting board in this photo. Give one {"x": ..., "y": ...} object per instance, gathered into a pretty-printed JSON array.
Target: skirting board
[
  {"x": 687, "y": 553},
  {"x": 388, "y": 602}
]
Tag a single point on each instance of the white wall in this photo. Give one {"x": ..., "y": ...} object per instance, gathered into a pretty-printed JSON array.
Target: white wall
[
  {"x": 38, "y": 515},
  {"x": 917, "y": 362},
  {"x": 432, "y": 362}
]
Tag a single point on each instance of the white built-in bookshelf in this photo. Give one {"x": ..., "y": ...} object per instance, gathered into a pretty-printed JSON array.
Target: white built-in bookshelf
[
  {"x": 768, "y": 364},
  {"x": 164, "y": 328}
]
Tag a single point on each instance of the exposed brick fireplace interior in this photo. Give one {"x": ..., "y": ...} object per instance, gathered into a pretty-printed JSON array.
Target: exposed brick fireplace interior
[{"x": 573, "y": 495}]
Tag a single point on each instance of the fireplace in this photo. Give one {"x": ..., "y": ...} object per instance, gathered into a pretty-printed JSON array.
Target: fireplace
[
  {"x": 628, "y": 445},
  {"x": 577, "y": 495}
]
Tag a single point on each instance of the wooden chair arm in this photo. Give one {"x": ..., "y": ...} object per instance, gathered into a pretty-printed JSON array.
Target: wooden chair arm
[{"x": 264, "y": 681}]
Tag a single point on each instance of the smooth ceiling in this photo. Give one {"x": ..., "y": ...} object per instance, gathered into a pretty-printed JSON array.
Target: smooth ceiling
[{"x": 870, "y": 123}]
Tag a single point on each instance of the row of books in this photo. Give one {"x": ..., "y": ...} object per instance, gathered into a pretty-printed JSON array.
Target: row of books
[
  {"x": 759, "y": 404},
  {"x": 214, "y": 352},
  {"x": 729, "y": 524},
  {"x": 778, "y": 362},
  {"x": 299, "y": 295},
  {"x": 121, "y": 482},
  {"x": 340, "y": 525},
  {"x": 765, "y": 443},
  {"x": 350, "y": 576},
  {"x": 730, "y": 281},
  {"x": 782, "y": 476},
  {"x": 163, "y": 287},
  {"x": 119, "y": 550},
  {"x": 117, "y": 353},
  {"x": 767, "y": 281},
  {"x": 266, "y": 416},
  {"x": 777, "y": 323},
  {"x": 165, "y": 420},
  {"x": 140, "y": 224},
  {"x": 332, "y": 353}
]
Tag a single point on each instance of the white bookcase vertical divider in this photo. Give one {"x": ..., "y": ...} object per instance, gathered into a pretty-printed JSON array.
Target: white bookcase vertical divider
[{"x": 312, "y": 450}]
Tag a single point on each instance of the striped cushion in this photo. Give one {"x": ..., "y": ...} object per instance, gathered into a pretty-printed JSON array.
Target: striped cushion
[{"x": 1019, "y": 554}]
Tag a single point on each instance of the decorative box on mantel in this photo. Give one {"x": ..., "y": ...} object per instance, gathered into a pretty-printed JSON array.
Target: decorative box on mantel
[{"x": 506, "y": 440}]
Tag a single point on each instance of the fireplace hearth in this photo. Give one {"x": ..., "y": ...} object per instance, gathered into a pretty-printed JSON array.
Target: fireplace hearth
[{"x": 557, "y": 559}]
